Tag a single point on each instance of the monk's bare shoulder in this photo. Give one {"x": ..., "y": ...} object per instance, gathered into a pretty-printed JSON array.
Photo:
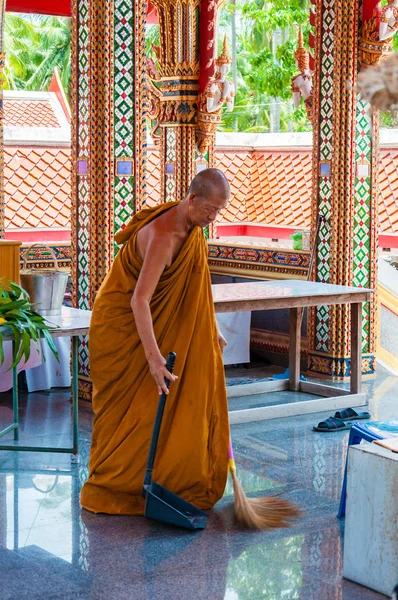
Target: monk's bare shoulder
[{"x": 156, "y": 237}]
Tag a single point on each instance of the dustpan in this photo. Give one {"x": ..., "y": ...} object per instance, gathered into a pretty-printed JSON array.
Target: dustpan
[{"x": 160, "y": 503}]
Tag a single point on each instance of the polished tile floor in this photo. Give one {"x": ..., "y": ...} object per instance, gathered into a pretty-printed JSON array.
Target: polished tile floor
[{"x": 51, "y": 549}]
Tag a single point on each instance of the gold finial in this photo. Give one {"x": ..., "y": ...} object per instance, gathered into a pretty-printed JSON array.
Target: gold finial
[
  {"x": 301, "y": 54},
  {"x": 225, "y": 57},
  {"x": 300, "y": 38}
]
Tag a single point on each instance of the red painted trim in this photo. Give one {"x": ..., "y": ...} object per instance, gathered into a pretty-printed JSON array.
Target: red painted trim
[
  {"x": 207, "y": 37},
  {"x": 262, "y": 231},
  {"x": 369, "y": 7},
  {"x": 34, "y": 235},
  {"x": 56, "y": 87},
  {"x": 56, "y": 8},
  {"x": 386, "y": 240},
  {"x": 59, "y": 8},
  {"x": 235, "y": 230},
  {"x": 151, "y": 14}
]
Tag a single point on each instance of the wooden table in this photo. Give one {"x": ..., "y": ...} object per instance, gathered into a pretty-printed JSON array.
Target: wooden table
[
  {"x": 72, "y": 322},
  {"x": 296, "y": 295}
]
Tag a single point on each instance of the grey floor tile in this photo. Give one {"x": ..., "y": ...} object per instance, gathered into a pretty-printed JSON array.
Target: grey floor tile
[{"x": 47, "y": 537}]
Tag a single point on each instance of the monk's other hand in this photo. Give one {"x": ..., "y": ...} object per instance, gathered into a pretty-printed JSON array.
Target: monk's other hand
[
  {"x": 159, "y": 372},
  {"x": 222, "y": 341}
]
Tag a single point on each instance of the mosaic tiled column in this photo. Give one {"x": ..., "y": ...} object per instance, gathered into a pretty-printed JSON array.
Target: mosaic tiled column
[
  {"x": 2, "y": 58},
  {"x": 129, "y": 134},
  {"x": 109, "y": 141},
  {"x": 343, "y": 193},
  {"x": 80, "y": 221}
]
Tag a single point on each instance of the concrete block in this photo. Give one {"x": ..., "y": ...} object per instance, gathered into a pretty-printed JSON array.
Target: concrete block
[{"x": 371, "y": 528}]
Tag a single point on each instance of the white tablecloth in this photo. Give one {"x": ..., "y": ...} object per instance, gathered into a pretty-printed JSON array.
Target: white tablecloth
[
  {"x": 43, "y": 372},
  {"x": 42, "y": 369},
  {"x": 235, "y": 327},
  {"x": 51, "y": 373}
]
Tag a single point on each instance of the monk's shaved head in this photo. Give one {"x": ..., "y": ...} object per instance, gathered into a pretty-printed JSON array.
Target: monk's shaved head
[{"x": 209, "y": 183}]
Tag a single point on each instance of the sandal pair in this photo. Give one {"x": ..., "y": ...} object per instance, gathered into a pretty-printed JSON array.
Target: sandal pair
[{"x": 339, "y": 421}]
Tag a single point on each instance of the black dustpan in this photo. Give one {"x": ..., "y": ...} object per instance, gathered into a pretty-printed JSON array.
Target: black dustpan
[{"x": 161, "y": 504}]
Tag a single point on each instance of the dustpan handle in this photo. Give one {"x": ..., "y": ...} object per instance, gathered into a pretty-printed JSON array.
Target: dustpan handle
[{"x": 171, "y": 359}]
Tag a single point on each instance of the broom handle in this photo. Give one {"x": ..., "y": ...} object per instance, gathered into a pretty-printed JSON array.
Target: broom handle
[
  {"x": 171, "y": 359},
  {"x": 231, "y": 460}
]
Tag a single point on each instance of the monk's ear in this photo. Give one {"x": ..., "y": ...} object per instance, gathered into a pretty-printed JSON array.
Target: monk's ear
[{"x": 191, "y": 198}]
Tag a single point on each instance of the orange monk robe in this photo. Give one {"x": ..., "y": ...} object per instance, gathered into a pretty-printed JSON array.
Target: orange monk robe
[{"x": 192, "y": 455}]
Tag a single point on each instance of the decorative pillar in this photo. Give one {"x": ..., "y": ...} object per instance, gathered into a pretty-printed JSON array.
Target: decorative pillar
[
  {"x": 2, "y": 60},
  {"x": 108, "y": 141},
  {"x": 185, "y": 67},
  {"x": 174, "y": 93},
  {"x": 344, "y": 187}
]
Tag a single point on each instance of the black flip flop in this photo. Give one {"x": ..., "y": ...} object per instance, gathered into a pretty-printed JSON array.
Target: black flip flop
[
  {"x": 332, "y": 424},
  {"x": 349, "y": 414}
]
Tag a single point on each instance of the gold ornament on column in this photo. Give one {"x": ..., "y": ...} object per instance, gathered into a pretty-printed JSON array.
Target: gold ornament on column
[
  {"x": 173, "y": 93},
  {"x": 219, "y": 91},
  {"x": 376, "y": 35},
  {"x": 302, "y": 83},
  {"x": 173, "y": 81}
]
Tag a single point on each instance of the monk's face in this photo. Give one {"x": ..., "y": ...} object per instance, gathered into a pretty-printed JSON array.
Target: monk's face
[{"x": 203, "y": 211}]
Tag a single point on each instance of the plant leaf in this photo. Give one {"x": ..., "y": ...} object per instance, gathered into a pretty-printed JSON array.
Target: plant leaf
[
  {"x": 26, "y": 344},
  {"x": 1, "y": 350},
  {"x": 50, "y": 343}
]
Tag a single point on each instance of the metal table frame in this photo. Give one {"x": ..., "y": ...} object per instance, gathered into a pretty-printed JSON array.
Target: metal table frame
[{"x": 68, "y": 331}]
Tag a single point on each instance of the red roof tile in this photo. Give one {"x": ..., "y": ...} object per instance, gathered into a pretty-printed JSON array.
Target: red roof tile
[
  {"x": 29, "y": 113},
  {"x": 37, "y": 195},
  {"x": 268, "y": 187}
]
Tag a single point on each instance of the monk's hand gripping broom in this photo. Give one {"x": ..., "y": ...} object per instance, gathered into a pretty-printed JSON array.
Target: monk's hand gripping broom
[{"x": 260, "y": 513}]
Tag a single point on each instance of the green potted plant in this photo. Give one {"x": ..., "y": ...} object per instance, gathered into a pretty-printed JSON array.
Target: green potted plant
[{"x": 17, "y": 316}]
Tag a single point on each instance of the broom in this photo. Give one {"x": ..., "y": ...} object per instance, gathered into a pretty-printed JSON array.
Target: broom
[{"x": 269, "y": 512}]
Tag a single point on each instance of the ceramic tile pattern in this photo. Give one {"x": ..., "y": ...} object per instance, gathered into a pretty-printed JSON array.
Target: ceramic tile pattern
[
  {"x": 274, "y": 187},
  {"x": 37, "y": 187},
  {"x": 29, "y": 113},
  {"x": 51, "y": 549},
  {"x": 270, "y": 187}
]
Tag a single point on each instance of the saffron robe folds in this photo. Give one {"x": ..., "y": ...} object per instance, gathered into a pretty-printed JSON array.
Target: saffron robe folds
[{"x": 192, "y": 455}]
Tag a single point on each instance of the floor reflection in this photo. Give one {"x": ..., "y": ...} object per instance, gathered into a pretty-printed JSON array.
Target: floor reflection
[{"x": 50, "y": 548}]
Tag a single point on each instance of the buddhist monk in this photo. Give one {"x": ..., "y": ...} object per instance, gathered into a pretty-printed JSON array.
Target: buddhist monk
[{"x": 156, "y": 299}]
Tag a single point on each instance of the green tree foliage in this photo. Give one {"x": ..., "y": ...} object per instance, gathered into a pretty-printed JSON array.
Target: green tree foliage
[
  {"x": 34, "y": 45},
  {"x": 263, "y": 71}
]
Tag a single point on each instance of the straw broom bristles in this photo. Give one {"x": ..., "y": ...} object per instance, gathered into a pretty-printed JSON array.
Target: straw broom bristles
[{"x": 269, "y": 512}]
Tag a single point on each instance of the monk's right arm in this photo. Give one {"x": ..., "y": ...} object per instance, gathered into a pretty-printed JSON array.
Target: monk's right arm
[{"x": 151, "y": 271}]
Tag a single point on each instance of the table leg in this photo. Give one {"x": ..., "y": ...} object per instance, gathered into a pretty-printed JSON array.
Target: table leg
[
  {"x": 356, "y": 348},
  {"x": 75, "y": 393},
  {"x": 15, "y": 399},
  {"x": 294, "y": 349}
]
